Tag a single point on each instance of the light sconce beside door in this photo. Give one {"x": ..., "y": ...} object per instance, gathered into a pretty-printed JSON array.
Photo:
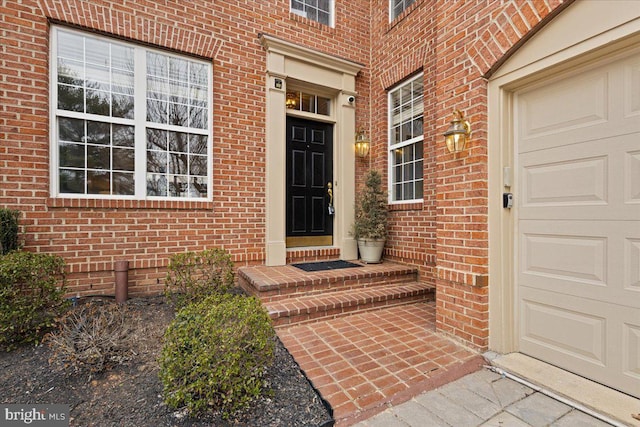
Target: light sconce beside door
[
  {"x": 458, "y": 134},
  {"x": 362, "y": 144}
]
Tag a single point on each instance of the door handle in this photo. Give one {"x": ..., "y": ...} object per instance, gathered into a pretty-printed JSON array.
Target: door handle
[{"x": 330, "y": 194}]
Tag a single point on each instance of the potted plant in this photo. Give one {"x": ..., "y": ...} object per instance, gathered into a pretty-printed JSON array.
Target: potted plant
[{"x": 370, "y": 225}]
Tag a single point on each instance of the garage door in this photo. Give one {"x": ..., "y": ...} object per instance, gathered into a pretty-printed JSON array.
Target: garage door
[{"x": 578, "y": 235}]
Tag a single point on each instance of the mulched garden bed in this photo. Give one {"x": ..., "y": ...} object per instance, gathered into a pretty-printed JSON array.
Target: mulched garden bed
[{"x": 130, "y": 394}]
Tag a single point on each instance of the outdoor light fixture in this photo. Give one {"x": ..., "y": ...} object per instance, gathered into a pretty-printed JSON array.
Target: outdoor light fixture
[
  {"x": 362, "y": 144},
  {"x": 458, "y": 134},
  {"x": 292, "y": 100}
]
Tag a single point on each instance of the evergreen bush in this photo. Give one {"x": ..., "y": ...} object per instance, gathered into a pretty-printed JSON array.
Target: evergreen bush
[
  {"x": 31, "y": 296},
  {"x": 8, "y": 230},
  {"x": 216, "y": 353},
  {"x": 371, "y": 214},
  {"x": 192, "y": 276}
]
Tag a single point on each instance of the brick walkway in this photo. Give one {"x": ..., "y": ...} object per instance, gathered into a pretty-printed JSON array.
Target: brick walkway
[{"x": 363, "y": 362}]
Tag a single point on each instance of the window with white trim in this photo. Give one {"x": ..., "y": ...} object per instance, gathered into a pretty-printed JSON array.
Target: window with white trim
[
  {"x": 317, "y": 10},
  {"x": 129, "y": 121},
  {"x": 406, "y": 137},
  {"x": 396, "y": 7}
]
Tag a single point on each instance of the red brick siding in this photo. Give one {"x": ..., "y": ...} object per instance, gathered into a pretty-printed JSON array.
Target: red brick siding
[
  {"x": 454, "y": 43},
  {"x": 93, "y": 234}
]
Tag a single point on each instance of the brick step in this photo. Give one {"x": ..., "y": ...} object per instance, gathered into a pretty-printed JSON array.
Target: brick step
[
  {"x": 311, "y": 308},
  {"x": 278, "y": 283}
]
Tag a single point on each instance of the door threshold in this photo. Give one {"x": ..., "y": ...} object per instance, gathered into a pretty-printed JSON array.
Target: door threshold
[
  {"x": 602, "y": 399},
  {"x": 308, "y": 241}
]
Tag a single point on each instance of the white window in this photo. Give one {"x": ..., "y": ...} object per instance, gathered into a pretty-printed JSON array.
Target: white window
[
  {"x": 128, "y": 121},
  {"x": 317, "y": 10},
  {"x": 406, "y": 108},
  {"x": 396, "y": 7}
]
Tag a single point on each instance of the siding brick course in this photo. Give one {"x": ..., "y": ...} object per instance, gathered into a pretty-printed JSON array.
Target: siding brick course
[{"x": 454, "y": 43}]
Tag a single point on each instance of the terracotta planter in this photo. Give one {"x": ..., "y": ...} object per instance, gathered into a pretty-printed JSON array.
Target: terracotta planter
[{"x": 371, "y": 250}]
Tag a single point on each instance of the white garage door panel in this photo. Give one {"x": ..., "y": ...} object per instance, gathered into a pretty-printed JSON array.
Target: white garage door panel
[
  {"x": 632, "y": 264},
  {"x": 583, "y": 181},
  {"x": 593, "y": 105},
  {"x": 561, "y": 182},
  {"x": 598, "y": 260},
  {"x": 547, "y": 112},
  {"x": 578, "y": 209},
  {"x": 631, "y": 84},
  {"x": 584, "y": 341},
  {"x": 576, "y": 258},
  {"x": 569, "y": 332},
  {"x": 632, "y": 177},
  {"x": 631, "y": 362}
]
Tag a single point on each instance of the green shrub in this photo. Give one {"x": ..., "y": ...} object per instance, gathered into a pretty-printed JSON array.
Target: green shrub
[
  {"x": 8, "y": 230},
  {"x": 94, "y": 336},
  {"x": 31, "y": 296},
  {"x": 216, "y": 353},
  {"x": 192, "y": 276}
]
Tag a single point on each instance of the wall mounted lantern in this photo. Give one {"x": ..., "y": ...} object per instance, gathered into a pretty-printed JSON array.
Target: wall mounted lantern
[
  {"x": 362, "y": 144},
  {"x": 458, "y": 134}
]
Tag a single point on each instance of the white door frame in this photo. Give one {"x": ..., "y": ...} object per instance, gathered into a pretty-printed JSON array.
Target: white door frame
[
  {"x": 583, "y": 33},
  {"x": 289, "y": 62}
]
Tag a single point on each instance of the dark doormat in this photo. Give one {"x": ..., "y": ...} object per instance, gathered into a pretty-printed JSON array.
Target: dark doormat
[{"x": 325, "y": 265}]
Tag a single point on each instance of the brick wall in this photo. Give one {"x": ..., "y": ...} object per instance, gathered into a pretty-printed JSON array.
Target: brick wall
[
  {"x": 93, "y": 234},
  {"x": 455, "y": 43}
]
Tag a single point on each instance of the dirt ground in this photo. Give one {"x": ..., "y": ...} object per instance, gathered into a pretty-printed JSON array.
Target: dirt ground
[{"x": 130, "y": 394}]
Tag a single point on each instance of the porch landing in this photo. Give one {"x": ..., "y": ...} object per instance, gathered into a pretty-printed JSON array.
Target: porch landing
[{"x": 365, "y": 337}]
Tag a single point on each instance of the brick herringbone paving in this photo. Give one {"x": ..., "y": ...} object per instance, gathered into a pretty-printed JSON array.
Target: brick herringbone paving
[{"x": 361, "y": 363}]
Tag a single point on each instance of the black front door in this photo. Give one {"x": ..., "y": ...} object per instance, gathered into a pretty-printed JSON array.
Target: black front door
[{"x": 309, "y": 179}]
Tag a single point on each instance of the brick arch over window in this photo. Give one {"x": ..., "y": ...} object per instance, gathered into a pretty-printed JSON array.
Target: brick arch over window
[
  {"x": 511, "y": 28},
  {"x": 149, "y": 29},
  {"x": 409, "y": 64}
]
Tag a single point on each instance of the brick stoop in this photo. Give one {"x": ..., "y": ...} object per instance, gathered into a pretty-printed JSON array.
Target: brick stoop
[{"x": 293, "y": 296}]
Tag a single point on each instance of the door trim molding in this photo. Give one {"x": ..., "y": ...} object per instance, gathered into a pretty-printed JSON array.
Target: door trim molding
[{"x": 286, "y": 61}]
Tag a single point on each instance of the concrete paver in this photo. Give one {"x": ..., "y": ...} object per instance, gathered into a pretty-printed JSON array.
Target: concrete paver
[
  {"x": 579, "y": 419},
  {"x": 509, "y": 391},
  {"x": 413, "y": 413},
  {"x": 387, "y": 419},
  {"x": 473, "y": 402},
  {"x": 538, "y": 410},
  {"x": 505, "y": 419},
  {"x": 453, "y": 413},
  {"x": 459, "y": 404}
]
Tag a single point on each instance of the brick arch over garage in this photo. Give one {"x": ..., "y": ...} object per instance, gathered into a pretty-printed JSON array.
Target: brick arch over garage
[
  {"x": 516, "y": 23},
  {"x": 151, "y": 28}
]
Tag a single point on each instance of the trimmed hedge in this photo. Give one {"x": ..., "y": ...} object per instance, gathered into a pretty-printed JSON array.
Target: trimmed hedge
[{"x": 216, "y": 353}]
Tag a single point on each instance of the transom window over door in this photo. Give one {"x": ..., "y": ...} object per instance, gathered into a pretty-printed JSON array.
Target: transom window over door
[
  {"x": 316, "y": 10},
  {"x": 130, "y": 122},
  {"x": 406, "y": 137}
]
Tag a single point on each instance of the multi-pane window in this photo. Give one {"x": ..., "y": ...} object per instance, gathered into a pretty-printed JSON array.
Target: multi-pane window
[
  {"x": 396, "y": 7},
  {"x": 317, "y": 10},
  {"x": 406, "y": 153},
  {"x": 129, "y": 121}
]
